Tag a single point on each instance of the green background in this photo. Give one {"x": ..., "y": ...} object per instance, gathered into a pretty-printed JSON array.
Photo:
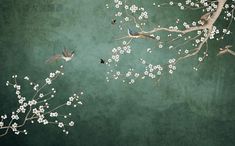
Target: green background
[{"x": 187, "y": 108}]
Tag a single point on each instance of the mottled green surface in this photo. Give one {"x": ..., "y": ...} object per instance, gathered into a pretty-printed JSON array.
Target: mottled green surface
[{"x": 188, "y": 108}]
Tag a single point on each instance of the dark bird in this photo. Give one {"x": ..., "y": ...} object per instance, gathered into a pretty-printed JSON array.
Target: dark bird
[
  {"x": 102, "y": 61},
  {"x": 66, "y": 55},
  {"x": 138, "y": 35},
  {"x": 113, "y": 21}
]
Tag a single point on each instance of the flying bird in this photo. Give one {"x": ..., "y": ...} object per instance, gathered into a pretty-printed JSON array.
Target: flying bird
[
  {"x": 66, "y": 56},
  {"x": 138, "y": 35},
  {"x": 113, "y": 21},
  {"x": 102, "y": 61}
]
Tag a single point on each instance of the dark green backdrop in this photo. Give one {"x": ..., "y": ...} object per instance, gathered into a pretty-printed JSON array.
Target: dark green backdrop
[{"x": 188, "y": 108}]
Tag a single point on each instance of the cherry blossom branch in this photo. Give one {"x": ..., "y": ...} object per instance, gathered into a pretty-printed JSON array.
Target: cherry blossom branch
[
  {"x": 205, "y": 30},
  {"x": 37, "y": 107}
]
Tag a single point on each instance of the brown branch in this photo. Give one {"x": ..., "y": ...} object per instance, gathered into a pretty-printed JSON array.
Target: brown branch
[{"x": 226, "y": 50}]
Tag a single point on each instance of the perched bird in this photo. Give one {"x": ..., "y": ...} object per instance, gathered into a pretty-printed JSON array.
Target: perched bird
[
  {"x": 226, "y": 50},
  {"x": 102, "y": 61},
  {"x": 113, "y": 21},
  {"x": 138, "y": 35},
  {"x": 66, "y": 55}
]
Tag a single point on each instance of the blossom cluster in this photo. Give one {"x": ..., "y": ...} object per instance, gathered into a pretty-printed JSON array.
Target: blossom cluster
[
  {"x": 185, "y": 39},
  {"x": 129, "y": 13},
  {"x": 120, "y": 50},
  {"x": 39, "y": 107}
]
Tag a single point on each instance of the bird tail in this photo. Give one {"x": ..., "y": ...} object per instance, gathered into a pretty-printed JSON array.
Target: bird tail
[{"x": 54, "y": 58}]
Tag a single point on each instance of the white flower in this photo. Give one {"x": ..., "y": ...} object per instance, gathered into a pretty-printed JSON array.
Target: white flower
[
  {"x": 35, "y": 111},
  {"x": 126, "y": 7},
  {"x": 18, "y": 87},
  {"x": 4, "y": 117},
  {"x": 136, "y": 75},
  {"x": 41, "y": 109},
  {"x": 60, "y": 125},
  {"x": 1, "y": 124},
  {"x": 71, "y": 123},
  {"x": 119, "y": 13},
  {"x": 55, "y": 114},
  {"x": 7, "y": 83},
  {"x": 128, "y": 74},
  {"x": 200, "y": 59},
  {"x": 128, "y": 51},
  {"x": 126, "y": 18},
  {"x": 68, "y": 103},
  {"x": 132, "y": 80},
  {"x": 30, "y": 103},
  {"x": 143, "y": 61},
  {"x": 186, "y": 51},
  {"x": 171, "y": 71},
  {"x": 148, "y": 49},
  {"x": 71, "y": 99},
  {"x": 52, "y": 75},
  {"x": 133, "y": 8},
  {"x": 17, "y": 92},
  {"x": 48, "y": 81},
  {"x": 34, "y": 102},
  {"x": 117, "y": 6},
  {"x": 14, "y": 125},
  {"x": 118, "y": 73},
  {"x": 41, "y": 95},
  {"x": 40, "y": 120},
  {"x": 26, "y": 78},
  {"x": 146, "y": 72},
  {"x": 45, "y": 121},
  {"x": 159, "y": 73},
  {"x": 57, "y": 71}
]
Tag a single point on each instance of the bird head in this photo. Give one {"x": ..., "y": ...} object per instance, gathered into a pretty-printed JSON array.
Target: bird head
[
  {"x": 72, "y": 53},
  {"x": 129, "y": 31}
]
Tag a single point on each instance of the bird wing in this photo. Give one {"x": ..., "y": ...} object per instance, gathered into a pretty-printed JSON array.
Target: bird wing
[
  {"x": 65, "y": 52},
  {"x": 54, "y": 58}
]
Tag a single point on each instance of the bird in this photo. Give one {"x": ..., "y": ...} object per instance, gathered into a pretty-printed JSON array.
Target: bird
[
  {"x": 102, "y": 61},
  {"x": 113, "y": 21},
  {"x": 138, "y": 35},
  {"x": 66, "y": 56}
]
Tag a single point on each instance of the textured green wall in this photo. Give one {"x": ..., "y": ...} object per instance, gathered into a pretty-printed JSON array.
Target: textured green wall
[{"x": 188, "y": 108}]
